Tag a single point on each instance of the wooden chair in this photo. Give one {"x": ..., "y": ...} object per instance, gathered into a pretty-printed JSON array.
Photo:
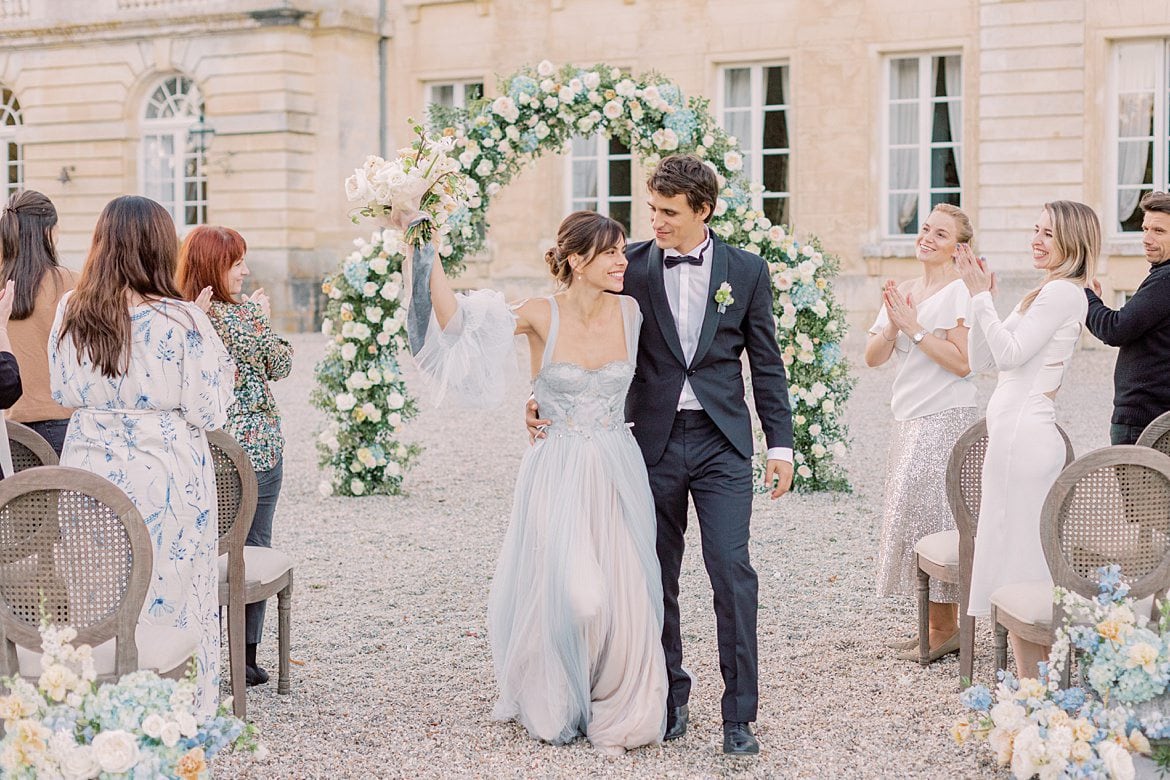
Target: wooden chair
[
  {"x": 29, "y": 448},
  {"x": 947, "y": 555},
  {"x": 1157, "y": 434},
  {"x": 235, "y": 487},
  {"x": 1110, "y": 506},
  {"x": 73, "y": 545},
  {"x": 266, "y": 572}
]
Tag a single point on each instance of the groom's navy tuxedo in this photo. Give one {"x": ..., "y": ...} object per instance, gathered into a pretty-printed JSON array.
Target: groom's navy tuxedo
[{"x": 707, "y": 453}]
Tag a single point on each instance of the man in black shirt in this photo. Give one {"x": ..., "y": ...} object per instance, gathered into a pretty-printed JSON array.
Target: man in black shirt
[{"x": 1141, "y": 328}]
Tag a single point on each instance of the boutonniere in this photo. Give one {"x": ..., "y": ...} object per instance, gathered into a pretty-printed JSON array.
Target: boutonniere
[{"x": 723, "y": 297}]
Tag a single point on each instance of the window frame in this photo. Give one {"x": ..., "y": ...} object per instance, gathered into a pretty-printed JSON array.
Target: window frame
[
  {"x": 458, "y": 92},
  {"x": 754, "y": 160},
  {"x": 176, "y": 127},
  {"x": 10, "y": 137},
  {"x": 926, "y": 143},
  {"x": 600, "y": 155},
  {"x": 1160, "y": 131}
]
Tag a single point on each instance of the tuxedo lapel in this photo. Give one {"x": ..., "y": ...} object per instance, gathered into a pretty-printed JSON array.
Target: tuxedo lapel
[
  {"x": 661, "y": 305},
  {"x": 710, "y": 312}
]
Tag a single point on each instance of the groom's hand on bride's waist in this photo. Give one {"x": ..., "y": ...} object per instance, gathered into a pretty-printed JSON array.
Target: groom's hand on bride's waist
[
  {"x": 778, "y": 477},
  {"x": 536, "y": 425}
]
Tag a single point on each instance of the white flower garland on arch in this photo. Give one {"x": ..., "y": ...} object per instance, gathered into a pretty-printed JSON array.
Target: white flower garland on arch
[{"x": 359, "y": 384}]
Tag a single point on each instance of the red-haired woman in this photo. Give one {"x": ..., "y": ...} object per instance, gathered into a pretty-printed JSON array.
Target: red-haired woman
[
  {"x": 146, "y": 375},
  {"x": 211, "y": 272}
]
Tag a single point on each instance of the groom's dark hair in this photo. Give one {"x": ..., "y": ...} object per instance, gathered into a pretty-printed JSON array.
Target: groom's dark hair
[{"x": 685, "y": 174}]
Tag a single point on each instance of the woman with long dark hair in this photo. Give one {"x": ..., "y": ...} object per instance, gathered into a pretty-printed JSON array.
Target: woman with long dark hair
[
  {"x": 28, "y": 258},
  {"x": 147, "y": 375},
  {"x": 212, "y": 269}
]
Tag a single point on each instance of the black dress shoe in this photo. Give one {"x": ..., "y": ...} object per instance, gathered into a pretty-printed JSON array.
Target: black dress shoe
[
  {"x": 676, "y": 722},
  {"x": 254, "y": 675},
  {"x": 738, "y": 739}
]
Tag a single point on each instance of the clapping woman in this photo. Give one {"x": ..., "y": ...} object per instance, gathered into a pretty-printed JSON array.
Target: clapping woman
[
  {"x": 1031, "y": 350},
  {"x": 146, "y": 375},
  {"x": 922, "y": 324},
  {"x": 212, "y": 269}
]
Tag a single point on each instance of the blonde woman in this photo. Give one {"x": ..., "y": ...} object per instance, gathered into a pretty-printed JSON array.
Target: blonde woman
[
  {"x": 1031, "y": 350},
  {"x": 922, "y": 325}
]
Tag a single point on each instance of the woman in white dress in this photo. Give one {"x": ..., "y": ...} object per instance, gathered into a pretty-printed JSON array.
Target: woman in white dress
[
  {"x": 146, "y": 375},
  {"x": 575, "y": 612},
  {"x": 1031, "y": 350},
  {"x": 923, "y": 325}
]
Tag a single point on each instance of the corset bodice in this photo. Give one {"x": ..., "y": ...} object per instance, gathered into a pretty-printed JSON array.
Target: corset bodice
[{"x": 577, "y": 399}]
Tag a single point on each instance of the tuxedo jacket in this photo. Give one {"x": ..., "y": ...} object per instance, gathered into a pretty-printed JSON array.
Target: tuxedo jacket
[{"x": 715, "y": 371}]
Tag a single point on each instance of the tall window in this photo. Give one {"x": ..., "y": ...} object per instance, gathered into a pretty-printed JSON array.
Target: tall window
[
  {"x": 754, "y": 105},
  {"x": 11, "y": 155},
  {"x": 923, "y": 134},
  {"x": 601, "y": 177},
  {"x": 1141, "y": 83},
  {"x": 454, "y": 94},
  {"x": 172, "y": 170}
]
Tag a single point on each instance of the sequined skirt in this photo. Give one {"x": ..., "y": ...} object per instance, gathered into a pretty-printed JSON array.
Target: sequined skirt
[{"x": 916, "y": 498}]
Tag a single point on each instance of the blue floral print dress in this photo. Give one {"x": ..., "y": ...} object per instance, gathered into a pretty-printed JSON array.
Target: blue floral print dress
[{"x": 144, "y": 431}]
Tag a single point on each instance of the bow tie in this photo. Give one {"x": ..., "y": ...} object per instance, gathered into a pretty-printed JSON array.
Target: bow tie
[{"x": 672, "y": 260}]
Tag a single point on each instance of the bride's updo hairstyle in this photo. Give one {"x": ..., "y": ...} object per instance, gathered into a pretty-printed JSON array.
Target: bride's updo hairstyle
[
  {"x": 585, "y": 234},
  {"x": 1076, "y": 235},
  {"x": 964, "y": 231}
]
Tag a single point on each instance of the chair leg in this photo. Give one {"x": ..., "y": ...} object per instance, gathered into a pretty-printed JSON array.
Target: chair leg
[
  {"x": 284, "y": 618},
  {"x": 1000, "y": 640},
  {"x": 966, "y": 648},
  {"x": 923, "y": 615},
  {"x": 235, "y": 632}
]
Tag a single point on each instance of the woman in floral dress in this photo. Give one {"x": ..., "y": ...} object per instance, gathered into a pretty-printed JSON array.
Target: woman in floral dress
[
  {"x": 146, "y": 375},
  {"x": 211, "y": 272}
]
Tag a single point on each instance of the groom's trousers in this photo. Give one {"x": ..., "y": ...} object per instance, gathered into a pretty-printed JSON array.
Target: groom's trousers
[{"x": 700, "y": 461}]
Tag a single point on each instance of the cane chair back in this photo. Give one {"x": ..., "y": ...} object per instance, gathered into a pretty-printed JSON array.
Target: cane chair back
[
  {"x": 1111, "y": 506},
  {"x": 73, "y": 546},
  {"x": 1157, "y": 434},
  {"x": 235, "y": 487},
  {"x": 29, "y": 448}
]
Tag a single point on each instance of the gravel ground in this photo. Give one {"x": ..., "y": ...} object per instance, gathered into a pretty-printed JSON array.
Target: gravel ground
[{"x": 393, "y": 675}]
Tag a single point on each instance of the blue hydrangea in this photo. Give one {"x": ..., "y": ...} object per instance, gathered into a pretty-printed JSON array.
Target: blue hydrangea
[
  {"x": 529, "y": 142},
  {"x": 356, "y": 272},
  {"x": 977, "y": 697},
  {"x": 684, "y": 123},
  {"x": 830, "y": 355},
  {"x": 805, "y": 296},
  {"x": 1070, "y": 700},
  {"x": 671, "y": 94},
  {"x": 523, "y": 85}
]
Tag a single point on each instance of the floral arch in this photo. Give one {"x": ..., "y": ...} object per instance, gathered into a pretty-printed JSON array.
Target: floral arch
[{"x": 359, "y": 382}]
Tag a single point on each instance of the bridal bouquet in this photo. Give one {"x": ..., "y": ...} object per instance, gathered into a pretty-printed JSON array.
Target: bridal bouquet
[
  {"x": 142, "y": 726},
  {"x": 415, "y": 193},
  {"x": 1039, "y": 729}
]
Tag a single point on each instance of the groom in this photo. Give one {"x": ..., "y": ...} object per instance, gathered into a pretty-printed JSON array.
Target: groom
[{"x": 692, "y": 422}]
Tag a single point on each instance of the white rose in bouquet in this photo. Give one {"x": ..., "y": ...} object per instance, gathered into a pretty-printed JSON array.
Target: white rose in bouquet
[
  {"x": 545, "y": 69},
  {"x": 115, "y": 751},
  {"x": 75, "y": 762}
]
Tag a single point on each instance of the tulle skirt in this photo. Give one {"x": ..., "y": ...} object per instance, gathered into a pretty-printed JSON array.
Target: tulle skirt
[{"x": 575, "y": 614}]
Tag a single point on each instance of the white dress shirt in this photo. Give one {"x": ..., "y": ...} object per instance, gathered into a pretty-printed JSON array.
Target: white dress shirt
[{"x": 687, "y": 287}]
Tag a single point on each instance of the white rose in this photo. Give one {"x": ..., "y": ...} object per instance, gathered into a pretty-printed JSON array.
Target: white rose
[
  {"x": 369, "y": 288},
  {"x": 804, "y": 471},
  {"x": 75, "y": 762},
  {"x": 374, "y": 313},
  {"x": 541, "y": 131},
  {"x": 720, "y": 207},
  {"x": 378, "y": 265},
  {"x": 394, "y": 419},
  {"x": 115, "y": 751},
  {"x": 170, "y": 734},
  {"x": 357, "y": 487},
  {"x": 152, "y": 725},
  {"x": 818, "y": 450},
  {"x": 566, "y": 94},
  {"x": 383, "y": 338},
  {"x": 348, "y": 351},
  {"x": 625, "y": 88},
  {"x": 592, "y": 80},
  {"x": 345, "y": 402},
  {"x": 613, "y": 109},
  {"x": 389, "y": 291},
  {"x": 828, "y": 405},
  {"x": 814, "y": 430},
  {"x": 733, "y": 161},
  {"x": 325, "y": 488},
  {"x": 545, "y": 69},
  {"x": 327, "y": 326},
  {"x": 551, "y": 102},
  {"x": 1008, "y": 715},
  {"x": 1117, "y": 760},
  {"x": 395, "y": 400},
  {"x": 493, "y": 188}
]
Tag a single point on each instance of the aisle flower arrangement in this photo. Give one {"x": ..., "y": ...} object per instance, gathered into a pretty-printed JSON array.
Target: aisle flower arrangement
[
  {"x": 142, "y": 726},
  {"x": 537, "y": 111},
  {"x": 1038, "y": 729}
]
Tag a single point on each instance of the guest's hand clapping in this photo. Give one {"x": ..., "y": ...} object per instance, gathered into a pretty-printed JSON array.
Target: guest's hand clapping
[
  {"x": 973, "y": 271},
  {"x": 901, "y": 310},
  {"x": 260, "y": 298},
  {"x": 6, "y": 296},
  {"x": 203, "y": 301},
  {"x": 1095, "y": 286}
]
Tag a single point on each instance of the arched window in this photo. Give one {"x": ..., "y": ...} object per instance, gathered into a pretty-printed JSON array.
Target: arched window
[
  {"x": 11, "y": 155},
  {"x": 172, "y": 169}
]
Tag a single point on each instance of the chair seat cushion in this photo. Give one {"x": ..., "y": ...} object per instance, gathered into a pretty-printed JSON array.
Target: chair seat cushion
[
  {"x": 941, "y": 548},
  {"x": 262, "y": 565},
  {"x": 1027, "y": 602},
  {"x": 161, "y": 648}
]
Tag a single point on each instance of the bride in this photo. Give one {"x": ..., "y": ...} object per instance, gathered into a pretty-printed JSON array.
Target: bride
[{"x": 575, "y": 613}]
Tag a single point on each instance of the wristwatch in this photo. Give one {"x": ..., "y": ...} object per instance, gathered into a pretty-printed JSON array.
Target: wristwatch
[{"x": 918, "y": 337}]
